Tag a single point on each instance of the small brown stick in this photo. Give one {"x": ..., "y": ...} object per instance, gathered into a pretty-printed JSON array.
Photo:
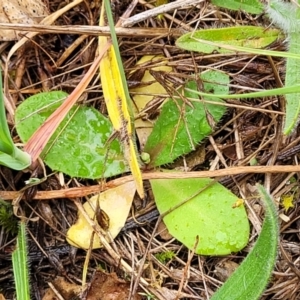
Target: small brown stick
[
  {"x": 88, "y": 190},
  {"x": 159, "y": 10},
  {"x": 185, "y": 276},
  {"x": 93, "y": 30}
]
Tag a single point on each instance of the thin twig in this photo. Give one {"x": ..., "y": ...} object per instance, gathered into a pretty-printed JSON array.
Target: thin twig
[
  {"x": 159, "y": 10},
  {"x": 92, "y": 30},
  {"x": 87, "y": 190}
]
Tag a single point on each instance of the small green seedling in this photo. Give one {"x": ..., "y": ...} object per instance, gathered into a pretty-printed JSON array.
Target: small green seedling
[{"x": 164, "y": 257}]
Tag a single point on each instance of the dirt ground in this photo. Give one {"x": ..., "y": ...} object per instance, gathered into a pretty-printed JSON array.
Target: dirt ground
[{"x": 48, "y": 62}]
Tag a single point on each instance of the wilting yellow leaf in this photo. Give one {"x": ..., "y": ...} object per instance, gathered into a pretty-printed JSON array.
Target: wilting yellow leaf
[
  {"x": 118, "y": 111},
  {"x": 115, "y": 203}
]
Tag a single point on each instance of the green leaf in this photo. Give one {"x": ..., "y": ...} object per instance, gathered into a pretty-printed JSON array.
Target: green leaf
[
  {"x": 210, "y": 214},
  {"x": 10, "y": 155},
  {"x": 80, "y": 146},
  {"x": 181, "y": 126},
  {"x": 252, "y": 276},
  {"x": 6, "y": 143},
  {"x": 292, "y": 78},
  {"x": 249, "y": 6},
  {"x": 20, "y": 265},
  {"x": 286, "y": 16},
  {"x": 19, "y": 160},
  {"x": 241, "y": 36}
]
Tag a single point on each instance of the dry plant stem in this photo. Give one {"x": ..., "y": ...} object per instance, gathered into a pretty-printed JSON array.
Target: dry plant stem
[
  {"x": 183, "y": 27},
  {"x": 143, "y": 260},
  {"x": 217, "y": 150},
  {"x": 55, "y": 291},
  {"x": 39, "y": 139},
  {"x": 290, "y": 263},
  {"x": 159, "y": 10},
  {"x": 87, "y": 190},
  {"x": 93, "y": 30},
  {"x": 187, "y": 266}
]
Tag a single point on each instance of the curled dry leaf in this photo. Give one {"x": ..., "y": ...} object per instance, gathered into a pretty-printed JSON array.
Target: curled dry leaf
[
  {"x": 20, "y": 11},
  {"x": 115, "y": 203}
]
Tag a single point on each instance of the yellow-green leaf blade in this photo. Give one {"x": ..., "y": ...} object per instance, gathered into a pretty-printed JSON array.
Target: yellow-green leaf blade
[
  {"x": 211, "y": 215},
  {"x": 240, "y": 36}
]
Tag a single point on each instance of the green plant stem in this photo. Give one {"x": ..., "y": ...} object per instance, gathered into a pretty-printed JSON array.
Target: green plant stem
[{"x": 272, "y": 92}]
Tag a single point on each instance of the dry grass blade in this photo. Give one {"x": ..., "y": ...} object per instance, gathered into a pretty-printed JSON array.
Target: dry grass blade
[{"x": 93, "y": 30}]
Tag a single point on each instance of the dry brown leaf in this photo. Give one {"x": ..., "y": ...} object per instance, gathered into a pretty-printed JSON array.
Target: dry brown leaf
[
  {"x": 20, "y": 11},
  {"x": 109, "y": 287}
]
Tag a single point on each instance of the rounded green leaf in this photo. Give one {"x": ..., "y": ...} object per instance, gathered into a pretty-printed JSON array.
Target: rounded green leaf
[
  {"x": 80, "y": 146},
  {"x": 211, "y": 215}
]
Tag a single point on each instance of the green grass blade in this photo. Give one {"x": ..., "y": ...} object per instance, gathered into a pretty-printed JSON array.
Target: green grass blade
[
  {"x": 271, "y": 92},
  {"x": 184, "y": 42},
  {"x": 6, "y": 143},
  {"x": 252, "y": 276},
  {"x": 10, "y": 155},
  {"x": 20, "y": 265},
  {"x": 291, "y": 78}
]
